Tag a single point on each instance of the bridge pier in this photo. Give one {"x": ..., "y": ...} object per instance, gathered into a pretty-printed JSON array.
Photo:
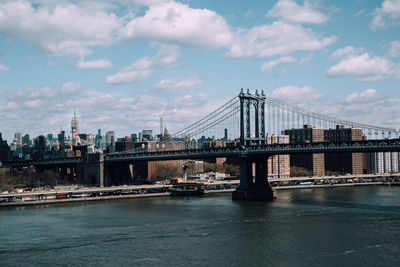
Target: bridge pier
[{"x": 260, "y": 189}]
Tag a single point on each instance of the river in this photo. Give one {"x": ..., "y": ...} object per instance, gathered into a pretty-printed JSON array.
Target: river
[{"x": 303, "y": 227}]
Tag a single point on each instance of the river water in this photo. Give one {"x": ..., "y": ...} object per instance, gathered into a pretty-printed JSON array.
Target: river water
[{"x": 303, "y": 227}]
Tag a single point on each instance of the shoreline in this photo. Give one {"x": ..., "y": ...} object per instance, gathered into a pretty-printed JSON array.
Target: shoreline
[{"x": 167, "y": 194}]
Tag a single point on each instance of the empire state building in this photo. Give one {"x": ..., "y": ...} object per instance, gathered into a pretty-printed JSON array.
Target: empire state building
[{"x": 74, "y": 130}]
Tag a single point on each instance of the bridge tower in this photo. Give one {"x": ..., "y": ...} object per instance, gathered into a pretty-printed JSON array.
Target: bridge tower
[
  {"x": 250, "y": 189},
  {"x": 247, "y": 101}
]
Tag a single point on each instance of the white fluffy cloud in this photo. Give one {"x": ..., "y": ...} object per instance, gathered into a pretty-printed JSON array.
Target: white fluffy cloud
[
  {"x": 346, "y": 52},
  {"x": 286, "y": 59},
  {"x": 296, "y": 94},
  {"x": 270, "y": 64},
  {"x": 45, "y": 110},
  {"x": 178, "y": 83},
  {"x": 174, "y": 22},
  {"x": 29, "y": 97},
  {"x": 94, "y": 64},
  {"x": 387, "y": 14},
  {"x": 289, "y": 10},
  {"x": 367, "y": 96},
  {"x": 64, "y": 29},
  {"x": 279, "y": 38},
  {"x": 365, "y": 68},
  {"x": 394, "y": 50},
  {"x": 144, "y": 67},
  {"x": 4, "y": 67}
]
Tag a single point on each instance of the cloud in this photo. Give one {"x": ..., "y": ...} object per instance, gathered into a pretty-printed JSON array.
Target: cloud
[
  {"x": 278, "y": 38},
  {"x": 28, "y": 110},
  {"x": 30, "y": 98},
  {"x": 94, "y": 64},
  {"x": 367, "y": 96},
  {"x": 287, "y": 59},
  {"x": 387, "y": 15},
  {"x": 4, "y": 68},
  {"x": 365, "y": 68},
  {"x": 368, "y": 106},
  {"x": 64, "y": 29},
  {"x": 144, "y": 67},
  {"x": 394, "y": 50},
  {"x": 290, "y": 11},
  {"x": 270, "y": 64},
  {"x": 346, "y": 52},
  {"x": 173, "y": 22},
  {"x": 178, "y": 83},
  {"x": 296, "y": 94}
]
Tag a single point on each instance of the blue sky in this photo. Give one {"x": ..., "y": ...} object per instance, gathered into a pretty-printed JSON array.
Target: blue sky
[{"x": 125, "y": 63}]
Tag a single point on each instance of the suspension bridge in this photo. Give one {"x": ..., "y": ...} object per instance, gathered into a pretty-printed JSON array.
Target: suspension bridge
[{"x": 243, "y": 124}]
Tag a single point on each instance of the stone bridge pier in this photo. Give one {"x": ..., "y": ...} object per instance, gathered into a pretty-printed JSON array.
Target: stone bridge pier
[{"x": 256, "y": 188}]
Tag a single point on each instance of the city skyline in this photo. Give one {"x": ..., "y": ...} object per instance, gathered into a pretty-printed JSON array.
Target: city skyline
[{"x": 125, "y": 64}]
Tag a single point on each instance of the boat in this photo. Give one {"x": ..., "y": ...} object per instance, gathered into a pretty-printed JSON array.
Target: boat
[{"x": 187, "y": 189}]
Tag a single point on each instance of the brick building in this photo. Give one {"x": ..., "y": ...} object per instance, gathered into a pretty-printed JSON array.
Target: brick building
[
  {"x": 343, "y": 163},
  {"x": 314, "y": 162},
  {"x": 150, "y": 169},
  {"x": 278, "y": 165}
]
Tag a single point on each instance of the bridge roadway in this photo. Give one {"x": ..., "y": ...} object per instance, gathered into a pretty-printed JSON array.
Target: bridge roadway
[{"x": 384, "y": 145}]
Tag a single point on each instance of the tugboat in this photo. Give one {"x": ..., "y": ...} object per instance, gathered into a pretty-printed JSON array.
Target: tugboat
[{"x": 187, "y": 189}]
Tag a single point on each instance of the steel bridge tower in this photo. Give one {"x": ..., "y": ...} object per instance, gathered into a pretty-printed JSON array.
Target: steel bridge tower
[
  {"x": 250, "y": 189},
  {"x": 247, "y": 101}
]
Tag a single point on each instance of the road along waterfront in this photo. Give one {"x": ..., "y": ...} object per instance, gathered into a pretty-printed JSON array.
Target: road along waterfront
[
  {"x": 338, "y": 226},
  {"x": 75, "y": 194}
]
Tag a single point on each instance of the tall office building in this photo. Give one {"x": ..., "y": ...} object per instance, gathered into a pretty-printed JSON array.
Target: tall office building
[
  {"x": 18, "y": 139},
  {"x": 110, "y": 141},
  {"x": 98, "y": 140},
  {"x": 161, "y": 127},
  {"x": 26, "y": 141},
  {"x": 61, "y": 139},
  {"x": 74, "y": 130}
]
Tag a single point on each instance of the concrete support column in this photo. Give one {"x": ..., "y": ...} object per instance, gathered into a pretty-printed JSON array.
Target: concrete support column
[
  {"x": 260, "y": 190},
  {"x": 261, "y": 174}
]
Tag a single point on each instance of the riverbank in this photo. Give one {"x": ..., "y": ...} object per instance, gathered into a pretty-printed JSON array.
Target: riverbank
[
  {"x": 145, "y": 192},
  {"x": 100, "y": 198}
]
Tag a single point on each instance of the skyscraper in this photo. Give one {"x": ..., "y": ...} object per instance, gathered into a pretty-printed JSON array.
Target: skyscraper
[
  {"x": 110, "y": 141},
  {"x": 98, "y": 140},
  {"x": 18, "y": 139},
  {"x": 61, "y": 139},
  {"x": 74, "y": 130},
  {"x": 26, "y": 141}
]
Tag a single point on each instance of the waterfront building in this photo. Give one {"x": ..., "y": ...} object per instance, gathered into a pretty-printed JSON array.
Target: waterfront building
[
  {"x": 343, "y": 163},
  {"x": 278, "y": 165},
  {"x": 382, "y": 162},
  {"x": 153, "y": 169},
  {"x": 313, "y": 162}
]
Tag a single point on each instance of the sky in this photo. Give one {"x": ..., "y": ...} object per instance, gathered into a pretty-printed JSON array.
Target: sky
[{"x": 125, "y": 63}]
